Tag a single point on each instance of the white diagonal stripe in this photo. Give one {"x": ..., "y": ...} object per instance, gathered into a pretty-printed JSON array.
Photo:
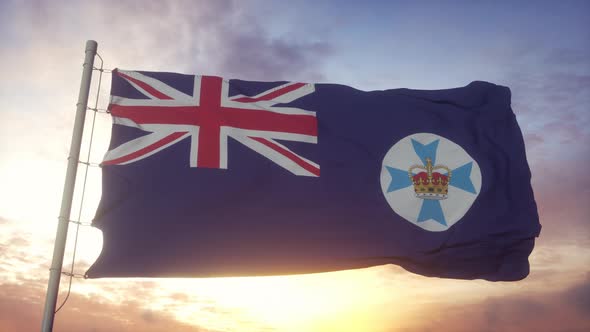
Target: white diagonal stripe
[
  {"x": 276, "y": 156},
  {"x": 156, "y": 84},
  {"x": 122, "y": 101},
  {"x": 271, "y": 135},
  {"x": 153, "y": 127},
  {"x": 268, "y": 105},
  {"x": 283, "y": 98},
  {"x": 139, "y": 143}
]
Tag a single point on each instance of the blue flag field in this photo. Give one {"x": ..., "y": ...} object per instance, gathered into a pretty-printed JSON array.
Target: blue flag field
[{"x": 207, "y": 177}]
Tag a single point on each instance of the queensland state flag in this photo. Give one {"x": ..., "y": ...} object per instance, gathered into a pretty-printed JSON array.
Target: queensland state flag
[{"x": 208, "y": 177}]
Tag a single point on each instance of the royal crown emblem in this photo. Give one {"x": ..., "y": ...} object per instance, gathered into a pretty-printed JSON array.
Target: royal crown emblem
[{"x": 429, "y": 184}]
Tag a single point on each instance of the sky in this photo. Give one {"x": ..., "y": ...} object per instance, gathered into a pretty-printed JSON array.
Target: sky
[{"x": 540, "y": 49}]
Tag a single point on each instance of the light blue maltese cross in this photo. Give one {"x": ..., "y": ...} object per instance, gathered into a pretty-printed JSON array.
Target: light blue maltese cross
[{"x": 431, "y": 209}]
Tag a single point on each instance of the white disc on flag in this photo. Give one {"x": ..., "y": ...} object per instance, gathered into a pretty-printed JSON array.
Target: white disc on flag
[{"x": 430, "y": 181}]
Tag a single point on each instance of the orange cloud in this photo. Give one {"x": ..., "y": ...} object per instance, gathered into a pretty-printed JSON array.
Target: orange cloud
[{"x": 21, "y": 309}]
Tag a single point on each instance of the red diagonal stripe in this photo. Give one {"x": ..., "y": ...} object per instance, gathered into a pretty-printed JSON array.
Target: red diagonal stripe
[
  {"x": 295, "y": 158},
  {"x": 271, "y": 95},
  {"x": 145, "y": 86},
  {"x": 147, "y": 149}
]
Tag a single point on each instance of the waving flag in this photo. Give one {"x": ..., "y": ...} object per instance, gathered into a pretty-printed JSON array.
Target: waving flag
[{"x": 212, "y": 177}]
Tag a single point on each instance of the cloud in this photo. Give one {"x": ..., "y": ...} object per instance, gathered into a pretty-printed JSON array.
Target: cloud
[
  {"x": 21, "y": 310},
  {"x": 217, "y": 38},
  {"x": 18, "y": 241},
  {"x": 551, "y": 95},
  {"x": 523, "y": 311},
  {"x": 561, "y": 199},
  {"x": 256, "y": 57},
  {"x": 208, "y": 37},
  {"x": 579, "y": 297},
  {"x": 568, "y": 56},
  {"x": 500, "y": 312}
]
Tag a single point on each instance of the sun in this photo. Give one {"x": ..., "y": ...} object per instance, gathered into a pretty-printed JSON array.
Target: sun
[{"x": 336, "y": 301}]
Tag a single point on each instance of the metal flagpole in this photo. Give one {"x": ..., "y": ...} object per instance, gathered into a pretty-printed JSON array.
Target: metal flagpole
[{"x": 68, "y": 193}]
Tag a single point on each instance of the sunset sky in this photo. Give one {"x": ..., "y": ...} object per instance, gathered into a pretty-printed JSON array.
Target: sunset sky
[{"x": 540, "y": 49}]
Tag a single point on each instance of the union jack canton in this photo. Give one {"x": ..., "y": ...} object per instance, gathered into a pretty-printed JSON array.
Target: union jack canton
[{"x": 209, "y": 116}]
